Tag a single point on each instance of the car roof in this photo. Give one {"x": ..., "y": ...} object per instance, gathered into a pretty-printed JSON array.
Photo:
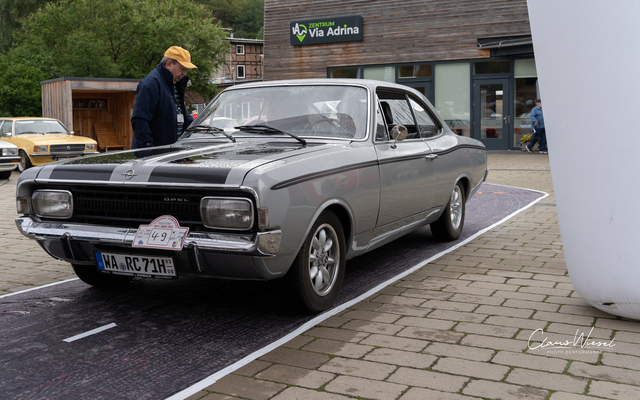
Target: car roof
[
  {"x": 370, "y": 83},
  {"x": 22, "y": 118}
]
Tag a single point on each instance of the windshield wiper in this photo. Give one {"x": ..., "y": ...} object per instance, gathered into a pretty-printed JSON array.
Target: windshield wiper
[
  {"x": 264, "y": 128},
  {"x": 205, "y": 128}
]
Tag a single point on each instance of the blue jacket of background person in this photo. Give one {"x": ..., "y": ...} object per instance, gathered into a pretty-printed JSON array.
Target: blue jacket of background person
[
  {"x": 536, "y": 116},
  {"x": 154, "y": 116}
]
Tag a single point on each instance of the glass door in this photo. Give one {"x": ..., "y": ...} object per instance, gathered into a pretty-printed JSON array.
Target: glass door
[{"x": 492, "y": 112}]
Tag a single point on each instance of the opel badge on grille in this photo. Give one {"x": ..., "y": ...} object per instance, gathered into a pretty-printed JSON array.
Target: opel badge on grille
[
  {"x": 129, "y": 174},
  {"x": 68, "y": 147}
]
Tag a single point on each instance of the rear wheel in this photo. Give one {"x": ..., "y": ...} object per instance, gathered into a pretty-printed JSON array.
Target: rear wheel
[
  {"x": 315, "y": 278},
  {"x": 24, "y": 161},
  {"x": 90, "y": 275},
  {"x": 449, "y": 226}
]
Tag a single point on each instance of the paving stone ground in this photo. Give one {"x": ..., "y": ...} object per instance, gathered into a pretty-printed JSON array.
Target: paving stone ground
[{"x": 471, "y": 324}]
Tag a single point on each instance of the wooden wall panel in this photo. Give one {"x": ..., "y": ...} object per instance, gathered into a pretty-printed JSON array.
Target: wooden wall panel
[{"x": 393, "y": 32}]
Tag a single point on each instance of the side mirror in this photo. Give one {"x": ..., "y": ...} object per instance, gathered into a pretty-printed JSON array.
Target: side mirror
[
  {"x": 398, "y": 133},
  {"x": 71, "y": 133}
]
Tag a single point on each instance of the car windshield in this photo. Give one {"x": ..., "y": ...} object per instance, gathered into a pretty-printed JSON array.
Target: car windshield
[
  {"x": 39, "y": 126},
  {"x": 321, "y": 111}
]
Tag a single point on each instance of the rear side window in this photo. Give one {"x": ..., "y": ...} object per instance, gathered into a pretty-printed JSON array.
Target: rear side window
[
  {"x": 426, "y": 125},
  {"x": 397, "y": 111},
  {"x": 399, "y": 108}
]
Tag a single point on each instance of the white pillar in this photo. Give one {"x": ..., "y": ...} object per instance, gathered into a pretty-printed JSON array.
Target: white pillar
[{"x": 588, "y": 62}]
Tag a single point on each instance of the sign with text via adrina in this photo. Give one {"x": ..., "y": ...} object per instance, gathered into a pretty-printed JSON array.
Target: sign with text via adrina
[{"x": 328, "y": 30}]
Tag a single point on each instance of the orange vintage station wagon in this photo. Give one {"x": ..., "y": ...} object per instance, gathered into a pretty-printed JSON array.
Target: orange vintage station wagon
[{"x": 43, "y": 140}]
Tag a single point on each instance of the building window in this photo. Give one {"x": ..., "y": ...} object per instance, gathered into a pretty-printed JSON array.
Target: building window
[
  {"x": 414, "y": 71},
  {"x": 240, "y": 72},
  {"x": 387, "y": 74},
  {"x": 344, "y": 73},
  {"x": 453, "y": 92},
  {"x": 491, "y": 67},
  {"x": 240, "y": 49},
  {"x": 525, "y": 95}
]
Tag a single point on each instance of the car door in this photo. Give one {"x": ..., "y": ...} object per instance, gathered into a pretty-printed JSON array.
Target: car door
[{"x": 406, "y": 167}]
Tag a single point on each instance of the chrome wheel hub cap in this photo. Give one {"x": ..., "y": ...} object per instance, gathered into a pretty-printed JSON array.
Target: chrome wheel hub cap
[
  {"x": 455, "y": 207},
  {"x": 324, "y": 258}
]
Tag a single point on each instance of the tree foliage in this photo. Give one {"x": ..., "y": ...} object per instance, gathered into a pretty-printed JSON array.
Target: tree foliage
[
  {"x": 11, "y": 13},
  {"x": 114, "y": 39},
  {"x": 245, "y": 17}
]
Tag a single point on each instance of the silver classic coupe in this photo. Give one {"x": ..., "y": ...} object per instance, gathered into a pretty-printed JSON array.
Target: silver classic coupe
[{"x": 275, "y": 180}]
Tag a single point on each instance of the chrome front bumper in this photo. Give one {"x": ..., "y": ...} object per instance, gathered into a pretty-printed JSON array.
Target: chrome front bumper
[{"x": 260, "y": 244}]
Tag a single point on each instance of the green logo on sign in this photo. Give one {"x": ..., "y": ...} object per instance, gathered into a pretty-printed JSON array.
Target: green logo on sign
[{"x": 300, "y": 33}]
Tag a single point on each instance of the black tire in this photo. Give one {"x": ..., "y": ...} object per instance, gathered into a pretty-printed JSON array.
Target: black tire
[
  {"x": 315, "y": 277},
  {"x": 449, "y": 226},
  {"x": 90, "y": 275},
  {"x": 5, "y": 174},
  {"x": 25, "y": 162}
]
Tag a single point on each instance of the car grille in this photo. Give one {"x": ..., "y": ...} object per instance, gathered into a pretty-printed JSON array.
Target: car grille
[
  {"x": 130, "y": 207},
  {"x": 66, "y": 147}
]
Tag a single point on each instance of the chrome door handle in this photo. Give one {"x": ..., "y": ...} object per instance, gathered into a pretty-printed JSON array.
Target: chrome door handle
[{"x": 431, "y": 156}]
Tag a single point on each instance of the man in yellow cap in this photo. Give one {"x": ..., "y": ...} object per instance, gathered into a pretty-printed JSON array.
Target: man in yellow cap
[{"x": 159, "y": 114}]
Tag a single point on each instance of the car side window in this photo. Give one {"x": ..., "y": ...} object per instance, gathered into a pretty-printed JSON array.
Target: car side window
[
  {"x": 426, "y": 126},
  {"x": 5, "y": 129},
  {"x": 397, "y": 111}
]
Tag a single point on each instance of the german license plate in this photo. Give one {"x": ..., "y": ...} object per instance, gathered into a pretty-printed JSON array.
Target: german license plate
[{"x": 136, "y": 265}]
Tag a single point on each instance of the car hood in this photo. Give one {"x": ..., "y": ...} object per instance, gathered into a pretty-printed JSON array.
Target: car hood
[
  {"x": 197, "y": 164},
  {"x": 54, "y": 138},
  {"x": 7, "y": 145}
]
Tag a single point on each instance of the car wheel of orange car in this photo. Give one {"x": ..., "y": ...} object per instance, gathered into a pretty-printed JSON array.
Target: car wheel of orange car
[
  {"x": 449, "y": 226},
  {"x": 24, "y": 161},
  {"x": 315, "y": 278},
  {"x": 90, "y": 275}
]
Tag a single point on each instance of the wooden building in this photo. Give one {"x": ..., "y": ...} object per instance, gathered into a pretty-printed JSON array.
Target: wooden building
[
  {"x": 96, "y": 108},
  {"x": 243, "y": 62},
  {"x": 473, "y": 60}
]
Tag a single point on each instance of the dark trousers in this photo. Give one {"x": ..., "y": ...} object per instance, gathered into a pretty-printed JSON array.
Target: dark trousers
[{"x": 541, "y": 135}]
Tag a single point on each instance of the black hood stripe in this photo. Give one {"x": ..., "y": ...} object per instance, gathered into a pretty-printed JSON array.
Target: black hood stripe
[
  {"x": 86, "y": 173},
  {"x": 189, "y": 175}
]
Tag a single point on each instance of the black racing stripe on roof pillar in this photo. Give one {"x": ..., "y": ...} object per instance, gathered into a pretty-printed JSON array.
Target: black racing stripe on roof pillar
[
  {"x": 189, "y": 175},
  {"x": 83, "y": 173}
]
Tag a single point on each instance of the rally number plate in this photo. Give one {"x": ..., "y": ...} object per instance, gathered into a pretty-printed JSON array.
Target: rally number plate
[{"x": 136, "y": 265}]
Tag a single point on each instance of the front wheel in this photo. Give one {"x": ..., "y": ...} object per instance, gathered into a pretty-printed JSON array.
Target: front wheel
[
  {"x": 24, "y": 161},
  {"x": 449, "y": 226},
  {"x": 5, "y": 174},
  {"x": 91, "y": 276},
  {"x": 316, "y": 275}
]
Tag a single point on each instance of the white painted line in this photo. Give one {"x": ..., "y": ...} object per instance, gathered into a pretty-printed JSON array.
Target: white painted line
[
  {"x": 89, "y": 333},
  {"x": 39, "y": 287},
  {"x": 211, "y": 379}
]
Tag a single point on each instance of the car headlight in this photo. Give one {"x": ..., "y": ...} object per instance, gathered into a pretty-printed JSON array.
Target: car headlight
[
  {"x": 52, "y": 203},
  {"x": 226, "y": 213},
  {"x": 90, "y": 147},
  {"x": 9, "y": 152},
  {"x": 41, "y": 149}
]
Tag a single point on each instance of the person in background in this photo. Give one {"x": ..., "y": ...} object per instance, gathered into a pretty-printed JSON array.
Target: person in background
[
  {"x": 159, "y": 113},
  {"x": 537, "y": 125}
]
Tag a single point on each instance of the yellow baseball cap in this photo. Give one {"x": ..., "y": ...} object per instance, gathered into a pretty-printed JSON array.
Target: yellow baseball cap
[{"x": 180, "y": 55}]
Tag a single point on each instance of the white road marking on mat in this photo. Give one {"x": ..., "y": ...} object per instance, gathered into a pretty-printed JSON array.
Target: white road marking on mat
[
  {"x": 211, "y": 379},
  {"x": 89, "y": 333}
]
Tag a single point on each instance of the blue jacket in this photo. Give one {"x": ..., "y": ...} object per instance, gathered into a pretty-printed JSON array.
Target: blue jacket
[
  {"x": 536, "y": 116},
  {"x": 154, "y": 116}
]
